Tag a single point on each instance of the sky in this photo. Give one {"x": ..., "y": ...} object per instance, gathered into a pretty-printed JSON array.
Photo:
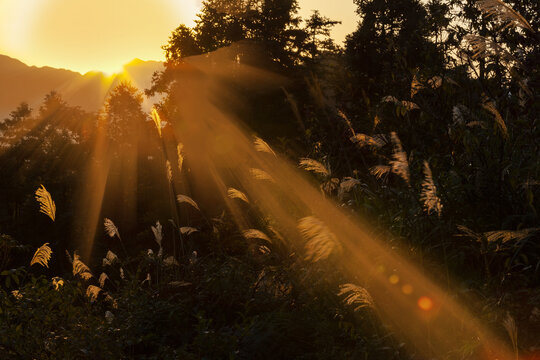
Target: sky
[{"x": 102, "y": 35}]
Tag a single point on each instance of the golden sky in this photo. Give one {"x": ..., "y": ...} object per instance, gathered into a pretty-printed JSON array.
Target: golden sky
[{"x": 84, "y": 35}]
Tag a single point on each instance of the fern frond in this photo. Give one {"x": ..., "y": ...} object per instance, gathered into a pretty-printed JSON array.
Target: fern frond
[
  {"x": 262, "y": 146},
  {"x": 255, "y": 234},
  {"x": 356, "y": 296},
  {"x": 432, "y": 203},
  {"x": 186, "y": 199},
  {"x": 157, "y": 120},
  {"x": 46, "y": 203},
  {"x": 321, "y": 242},
  {"x": 314, "y": 166},
  {"x": 42, "y": 256},
  {"x": 233, "y": 193},
  {"x": 110, "y": 228}
]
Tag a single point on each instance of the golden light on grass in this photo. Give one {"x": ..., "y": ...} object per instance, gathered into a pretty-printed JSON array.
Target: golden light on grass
[{"x": 290, "y": 197}]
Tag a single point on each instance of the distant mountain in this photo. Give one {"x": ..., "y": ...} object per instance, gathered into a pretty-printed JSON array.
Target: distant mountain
[{"x": 20, "y": 82}]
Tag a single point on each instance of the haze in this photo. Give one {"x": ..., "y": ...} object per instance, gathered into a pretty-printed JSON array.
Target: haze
[{"x": 103, "y": 35}]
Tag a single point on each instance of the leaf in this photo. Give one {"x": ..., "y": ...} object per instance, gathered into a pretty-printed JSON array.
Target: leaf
[
  {"x": 46, "y": 203},
  {"x": 42, "y": 256},
  {"x": 232, "y": 193},
  {"x": 188, "y": 200}
]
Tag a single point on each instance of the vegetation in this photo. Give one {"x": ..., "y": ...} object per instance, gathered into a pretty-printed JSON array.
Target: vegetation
[{"x": 424, "y": 125}]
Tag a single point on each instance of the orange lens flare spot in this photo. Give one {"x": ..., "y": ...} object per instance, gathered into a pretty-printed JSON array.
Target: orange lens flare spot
[
  {"x": 394, "y": 279},
  {"x": 407, "y": 289},
  {"x": 425, "y": 303}
]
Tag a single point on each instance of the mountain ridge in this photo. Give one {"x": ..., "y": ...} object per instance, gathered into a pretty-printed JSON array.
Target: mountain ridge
[{"x": 20, "y": 82}]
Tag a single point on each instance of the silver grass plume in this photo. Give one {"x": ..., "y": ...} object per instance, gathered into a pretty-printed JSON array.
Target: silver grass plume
[
  {"x": 399, "y": 164},
  {"x": 355, "y": 296},
  {"x": 321, "y": 242},
  {"x": 46, "y": 203},
  {"x": 432, "y": 203}
]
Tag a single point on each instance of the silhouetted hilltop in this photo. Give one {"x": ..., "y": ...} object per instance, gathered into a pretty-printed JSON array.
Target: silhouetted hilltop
[{"x": 20, "y": 82}]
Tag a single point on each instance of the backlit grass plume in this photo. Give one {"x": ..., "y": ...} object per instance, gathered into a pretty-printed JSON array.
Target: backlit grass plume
[
  {"x": 314, "y": 166},
  {"x": 262, "y": 146},
  {"x": 80, "y": 268},
  {"x": 355, "y": 296},
  {"x": 489, "y": 106},
  {"x": 110, "y": 228},
  {"x": 503, "y": 13},
  {"x": 42, "y": 256},
  {"x": 46, "y": 203},
  {"x": 380, "y": 170},
  {"x": 400, "y": 164},
  {"x": 255, "y": 234},
  {"x": 321, "y": 242},
  {"x": 158, "y": 232},
  {"x": 186, "y": 199},
  {"x": 180, "y": 155},
  {"x": 261, "y": 174},
  {"x": 157, "y": 120},
  {"x": 233, "y": 193},
  {"x": 93, "y": 292},
  {"x": 432, "y": 202}
]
